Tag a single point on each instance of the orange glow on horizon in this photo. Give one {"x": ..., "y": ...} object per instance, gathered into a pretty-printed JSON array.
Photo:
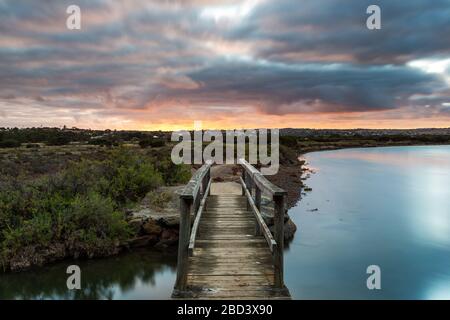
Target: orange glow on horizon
[{"x": 272, "y": 122}]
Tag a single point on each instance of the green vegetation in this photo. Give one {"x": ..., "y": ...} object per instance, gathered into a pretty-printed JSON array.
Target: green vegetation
[
  {"x": 302, "y": 144},
  {"x": 77, "y": 210},
  {"x": 151, "y": 142},
  {"x": 9, "y": 143},
  {"x": 14, "y": 137}
]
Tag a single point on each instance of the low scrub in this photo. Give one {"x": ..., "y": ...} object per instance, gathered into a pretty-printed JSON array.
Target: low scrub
[{"x": 79, "y": 209}]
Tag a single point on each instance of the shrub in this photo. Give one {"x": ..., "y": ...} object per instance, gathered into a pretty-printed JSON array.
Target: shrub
[
  {"x": 152, "y": 142},
  {"x": 9, "y": 143},
  {"x": 101, "y": 142},
  {"x": 132, "y": 183},
  {"x": 80, "y": 207},
  {"x": 58, "y": 140},
  {"x": 174, "y": 174}
]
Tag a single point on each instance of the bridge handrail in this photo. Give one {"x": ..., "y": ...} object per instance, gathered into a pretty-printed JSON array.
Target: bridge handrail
[
  {"x": 197, "y": 187},
  {"x": 261, "y": 181},
  {"x": 198, "y": 216},
  {"x": 253, "y": 179},
  {"x": 191, "y": 189},
  {"x": 259, "y": 219}
]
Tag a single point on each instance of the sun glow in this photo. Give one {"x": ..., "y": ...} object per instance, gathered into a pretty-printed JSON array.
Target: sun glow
[{"x": 234, "y": 12}]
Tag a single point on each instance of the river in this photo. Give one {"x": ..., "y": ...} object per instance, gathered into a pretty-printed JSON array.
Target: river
[{"x": 388, "y": 207}]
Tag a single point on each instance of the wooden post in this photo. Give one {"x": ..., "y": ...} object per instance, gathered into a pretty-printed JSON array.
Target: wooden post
[
  {"x": 207, "y": 180},
  {"x": 258, "y": 205},
  {"x": 279, "y": 208},
  {"x": 183, "y": 243},
  {"x": 249, "y": 184},
  {"x": 208, "y": 177},
  {"x": 244, "y": 175}
]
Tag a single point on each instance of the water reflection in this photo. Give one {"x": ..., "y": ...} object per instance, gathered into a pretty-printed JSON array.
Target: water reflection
[
  {"x": 419, "y": 155},
  {"x": 138, "y": 275},
  {"x": 383, "y": 206}
]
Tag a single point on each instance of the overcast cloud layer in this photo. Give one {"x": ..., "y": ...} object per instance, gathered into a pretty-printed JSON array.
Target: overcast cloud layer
[{"x": 156, "y": 64}]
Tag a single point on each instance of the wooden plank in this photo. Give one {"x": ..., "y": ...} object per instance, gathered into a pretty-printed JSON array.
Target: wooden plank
[
  {"x": 226, "y": 259},
  {"x": 226, "y": 255},
  {"x": 226, "y": 237},
  {"x": 227, "y": 231},
  {"x": 212, "y": 279},
  {"x": 229, "y": 272},
  {"x": 236, "y": 268},
  {"x": 257, "y": 291},
  {"x": 260, "y": 243}
]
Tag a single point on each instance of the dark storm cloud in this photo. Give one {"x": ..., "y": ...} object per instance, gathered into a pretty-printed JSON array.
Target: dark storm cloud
[
  {"x": 410, "y": 29},
  {"x": 282, "y": 57},
  {"x": 322, "y": 88}
]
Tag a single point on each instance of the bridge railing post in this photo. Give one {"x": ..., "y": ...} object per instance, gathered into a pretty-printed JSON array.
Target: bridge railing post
[
  {"x": 249, "y": 184},
  {"x": 244, "y": 174},
  {"x": 207, "y": 180},
  {"x": 258, "y": 205},
  {"x": 279, "y": 209},
  {"x": 183, "y": 243}
]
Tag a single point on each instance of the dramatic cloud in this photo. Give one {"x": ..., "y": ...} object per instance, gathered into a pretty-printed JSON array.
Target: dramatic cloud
[{"x": 160, "y": 64}]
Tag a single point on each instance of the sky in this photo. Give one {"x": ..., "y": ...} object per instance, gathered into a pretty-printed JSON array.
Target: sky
[{"x": 161, "y": 65}]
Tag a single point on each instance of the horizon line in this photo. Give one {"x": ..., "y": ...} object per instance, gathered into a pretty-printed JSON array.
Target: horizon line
[{"x": 250, "y": 128}]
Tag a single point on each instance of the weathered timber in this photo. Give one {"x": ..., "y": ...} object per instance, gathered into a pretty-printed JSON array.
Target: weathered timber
[{"x": 230, "y": 252}]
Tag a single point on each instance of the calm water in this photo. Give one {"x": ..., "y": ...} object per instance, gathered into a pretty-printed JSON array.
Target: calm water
[
  {"x": 384, "y": 206},
  {"x": 138, "y": 275}
]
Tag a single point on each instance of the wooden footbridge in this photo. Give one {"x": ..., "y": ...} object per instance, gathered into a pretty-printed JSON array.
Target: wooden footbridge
[{"x": 228, "y": 252}]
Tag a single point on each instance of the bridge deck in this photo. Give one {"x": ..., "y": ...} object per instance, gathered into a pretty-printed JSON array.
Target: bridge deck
[{"x": 229, "y": 261}]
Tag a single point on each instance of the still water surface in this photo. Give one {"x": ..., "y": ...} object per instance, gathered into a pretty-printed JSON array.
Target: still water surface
[{"x": 383, "y": 206}]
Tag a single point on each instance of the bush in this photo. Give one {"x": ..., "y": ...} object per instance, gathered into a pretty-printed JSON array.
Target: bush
[
  {"x": 58, "y": 140},
  {"x": 174, "y": 174},
  {"x": 81, "y": 207},
  {"x": 9, "y": 143},
  {"x": 152, "y": 142},
  {"x": 101, "y": 142},
  {"x": 132, "y": 183},
  {"x": 288, "y": 141},
  {"x": 32, "y": 146}
]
